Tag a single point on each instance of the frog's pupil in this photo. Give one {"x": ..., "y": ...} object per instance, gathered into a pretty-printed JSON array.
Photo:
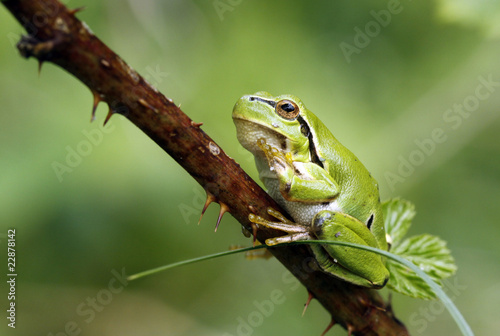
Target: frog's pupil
[{"x": 288, "y": 107}]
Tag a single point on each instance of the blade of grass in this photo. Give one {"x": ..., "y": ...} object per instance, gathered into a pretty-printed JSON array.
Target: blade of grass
[{"x": 191, "y": 261}]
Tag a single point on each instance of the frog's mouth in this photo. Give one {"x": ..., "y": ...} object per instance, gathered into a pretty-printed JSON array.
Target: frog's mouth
[{"x": 249, "y": 132}]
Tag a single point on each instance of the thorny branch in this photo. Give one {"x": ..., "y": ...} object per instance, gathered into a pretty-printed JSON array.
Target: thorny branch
[{"x": 57, "y": 36}]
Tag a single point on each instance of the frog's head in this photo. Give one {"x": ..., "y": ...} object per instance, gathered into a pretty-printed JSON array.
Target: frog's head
[{"x": 280, "y": 120}]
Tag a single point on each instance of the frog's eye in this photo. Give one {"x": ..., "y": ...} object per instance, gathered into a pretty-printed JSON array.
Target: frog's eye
[{"x": 287, "y": 109}]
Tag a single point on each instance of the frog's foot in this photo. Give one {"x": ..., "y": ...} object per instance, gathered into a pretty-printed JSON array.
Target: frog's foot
[
  {"x": 295, "y": 231},
  {"x": 278, "y": 161}
]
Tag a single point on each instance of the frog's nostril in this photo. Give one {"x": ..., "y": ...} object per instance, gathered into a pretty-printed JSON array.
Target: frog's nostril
[{"x": 251, "y": 98}]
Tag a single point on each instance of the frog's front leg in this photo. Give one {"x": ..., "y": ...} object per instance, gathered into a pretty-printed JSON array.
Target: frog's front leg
[
  {"x": 304, "y": 182},
  {"x": 295, "y": 231}
]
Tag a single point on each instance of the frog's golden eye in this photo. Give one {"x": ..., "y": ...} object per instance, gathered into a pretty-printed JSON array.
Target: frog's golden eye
[{"x": 287, "y": 109}]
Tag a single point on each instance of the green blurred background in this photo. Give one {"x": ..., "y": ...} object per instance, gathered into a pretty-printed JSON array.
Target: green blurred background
[{"x": 126, "y": 206}]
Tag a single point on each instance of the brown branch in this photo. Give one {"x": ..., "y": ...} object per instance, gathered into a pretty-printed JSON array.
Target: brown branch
[{"x": 57, "y": 36}]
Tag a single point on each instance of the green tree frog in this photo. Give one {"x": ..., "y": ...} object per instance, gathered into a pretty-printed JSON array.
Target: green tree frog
[{"x": 320, "y": 183}]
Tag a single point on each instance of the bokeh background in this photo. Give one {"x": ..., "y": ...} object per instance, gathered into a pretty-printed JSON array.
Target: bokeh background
[{"x": 125, "y": 206}]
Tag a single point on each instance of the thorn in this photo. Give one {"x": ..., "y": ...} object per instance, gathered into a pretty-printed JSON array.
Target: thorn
[
  {"x": 350, "y": 329},
  {"x": 97, "y": 100},
  {"x": 76, "y": 10},
  {"x": 210, "y": 198},
  {"x": 382, "y": 309},
  {"x": 332, "y": 323},
  {"x": 40, "y": 63},
  {"x": 371, "y": 305},
  {"x": 309, "y": 298},
  {"x": 108, "y": 116},
  {"x": 105, "y": 63},
  {"x": 147, "y": 105},
  {"x": 196, "y": 124},
  {"x": 254, "y": 231},
  {"x": 223, "y": 209}
]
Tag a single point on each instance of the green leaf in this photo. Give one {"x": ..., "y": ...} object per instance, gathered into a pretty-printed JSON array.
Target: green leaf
[
  {"x": 398, "y": 215},
  {"x": 431, "y": 255},
  {"x": 428, "y": 252},
  {"x": 407, "y": 282}
]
